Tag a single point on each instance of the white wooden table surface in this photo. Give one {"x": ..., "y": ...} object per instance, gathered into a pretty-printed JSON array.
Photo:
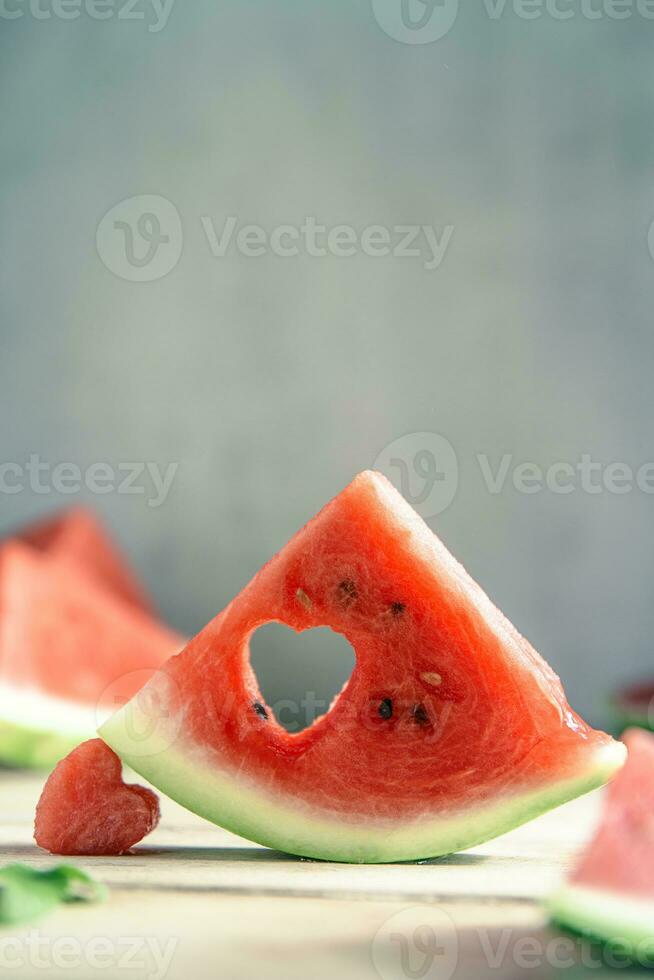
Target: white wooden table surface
[{"x": 195, "y": 902}]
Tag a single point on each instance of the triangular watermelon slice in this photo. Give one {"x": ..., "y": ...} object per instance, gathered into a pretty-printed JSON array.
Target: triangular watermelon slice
[
  {"x": 78, "y": 536},
  {"x": 610, "y": 895},
  {"x": 70, "y": 652},
  {"x": 451, "y": 729}
]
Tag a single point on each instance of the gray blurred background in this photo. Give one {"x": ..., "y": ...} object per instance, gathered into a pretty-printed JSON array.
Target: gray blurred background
[{"x": 272, "y": 380}]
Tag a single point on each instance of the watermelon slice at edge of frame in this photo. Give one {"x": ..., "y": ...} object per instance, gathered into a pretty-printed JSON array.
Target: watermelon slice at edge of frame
[
  {"x": 480, "y": 737},
  {"x": 70, "y": 651},
  {"x": 610, "y": 894},
  {"x": 634, "y": 705},
  {"x": 78, "y": 535}
]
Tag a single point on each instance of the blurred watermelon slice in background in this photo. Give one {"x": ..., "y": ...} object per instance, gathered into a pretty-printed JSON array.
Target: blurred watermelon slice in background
[
  {"x": 75, "y": 639},
  {"x": 634, "y": 705},
  {"x": 78, "y": 536},
  {"x": 610, "y": 894}
]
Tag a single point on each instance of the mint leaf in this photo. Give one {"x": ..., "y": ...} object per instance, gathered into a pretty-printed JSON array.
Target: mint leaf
[{"x": 26, "y": 893}]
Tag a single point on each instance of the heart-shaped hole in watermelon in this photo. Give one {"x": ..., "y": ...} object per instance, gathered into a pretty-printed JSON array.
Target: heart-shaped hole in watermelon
[{"x": 299, "y": 674}]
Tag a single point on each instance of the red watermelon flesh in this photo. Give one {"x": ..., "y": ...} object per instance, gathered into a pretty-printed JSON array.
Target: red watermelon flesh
[
  {"x": 86, "y": 808},
  {"x": 610, "y": 894},
  {"x": 70, "y": 652},
  {"x": 78, "y": 536},
  {"x": 450, "y": 730},
  {"x": 621, "y": 855}
]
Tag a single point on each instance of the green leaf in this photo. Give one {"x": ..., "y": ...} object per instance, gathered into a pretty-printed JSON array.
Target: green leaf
[{"x": 26, "y": 893}]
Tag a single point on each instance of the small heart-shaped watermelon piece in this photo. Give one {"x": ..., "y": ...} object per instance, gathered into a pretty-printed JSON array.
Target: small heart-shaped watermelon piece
[{"x": 86, "y": 808}]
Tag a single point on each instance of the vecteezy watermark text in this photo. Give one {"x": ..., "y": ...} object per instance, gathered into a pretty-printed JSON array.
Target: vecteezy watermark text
[
  {"x": 426, "y": 21},
  {"x": 586, "y": 474},
  {"x": 424, "y": 941},
  {"x": 147, "y": 955},
  {"x": 569, "y": 9},
  {"x": 153, "y": 12},
  {"x": 42, "y": 477},
  {"x": 141, "y": 239},
  {"x": 425, "y": 469},
  {"x": 152, "y": 722},
  {"x": 318, "y": 240}
]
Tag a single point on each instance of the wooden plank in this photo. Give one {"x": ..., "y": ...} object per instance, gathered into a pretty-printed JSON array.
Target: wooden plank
[
  {"x": 187, "y": 853},
  {"x": 199, "y": 902}
]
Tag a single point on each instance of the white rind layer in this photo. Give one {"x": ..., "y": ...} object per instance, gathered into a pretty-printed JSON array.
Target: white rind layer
[
  {"x": 198, "y": 780},
  {"x": 19, "y": 706},
  {"x": 36, "y": 729}
]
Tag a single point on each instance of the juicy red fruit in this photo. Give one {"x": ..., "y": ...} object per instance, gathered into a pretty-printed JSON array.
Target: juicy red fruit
[
  {"x": 77, "y": 536},
  {"x": 620, "y": 858},
  {"x": 86, "y": 808}
]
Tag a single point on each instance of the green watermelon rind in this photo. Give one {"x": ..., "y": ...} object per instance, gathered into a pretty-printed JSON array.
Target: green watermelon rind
[
  {"x": 24, "y": 747},
  {"x": 183, "y": 772},
  {"x": 38, "y": 729},
  {"x": 621, "y": 921}
]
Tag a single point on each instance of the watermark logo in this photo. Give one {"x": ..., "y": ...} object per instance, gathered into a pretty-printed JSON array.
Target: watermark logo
[
  {"x": 416, "y": 21},
  {"x": 424, "y": 468},
  {"x": 154, "y": 13},
  {"x": 418, "y": 943},
  {"x": 149, "y": 721},
  {"x": 422, "y": 943},
  {"x": 562, "y": 477},
  {"x": 148, "y": 480},
  {"x": 317, "y": 240},
  {"x": 425, "y": 21},
  {"x": 145, "y": 956},
  {"x": 562, "y": 10},
  {"x": 140, "y": 239}
]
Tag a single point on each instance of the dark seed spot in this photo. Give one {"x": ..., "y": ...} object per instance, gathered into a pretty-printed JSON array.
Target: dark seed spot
[
  {"x": 260, "y": 710},
  {"x": 419, "y": 713},
  {"x": 347, "y": 591},
  {"x": 397, "y": 608},
  {"x": 386, "y": 709}
]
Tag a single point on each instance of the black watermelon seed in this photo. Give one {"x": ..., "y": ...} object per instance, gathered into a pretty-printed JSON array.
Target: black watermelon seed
[
  {"x": 386, "y": 709},
  {"x": 347, "y": 591},
  {"x": 397, "y": 608},
  {"x": 419, "y": 713},
  {"x": 260, "y": 710}
]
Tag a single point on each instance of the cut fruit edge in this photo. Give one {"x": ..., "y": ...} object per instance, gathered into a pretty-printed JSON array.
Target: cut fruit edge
[
  {"x": 624, "y": 921},
  {"x": 198, "y": 782},
  {"x": 37, "y": 730}
]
